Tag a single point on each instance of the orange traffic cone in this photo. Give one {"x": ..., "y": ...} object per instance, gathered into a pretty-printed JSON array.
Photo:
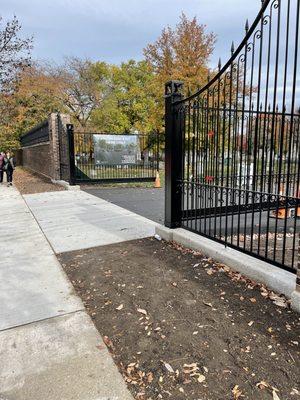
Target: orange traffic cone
[
  {"x": 282, "y": 213},
  {"x": 157, "y": 184},
  {"x": 298, "y": 208}
]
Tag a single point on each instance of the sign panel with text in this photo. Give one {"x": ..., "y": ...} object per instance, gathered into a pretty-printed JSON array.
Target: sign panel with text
[{"x": 116, "y": 149}]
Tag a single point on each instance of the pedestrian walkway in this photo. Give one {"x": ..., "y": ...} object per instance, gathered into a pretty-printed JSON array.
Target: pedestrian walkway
[
  {"x": 28, "y": 268},
  {"x": 49, "y": 348},
  {"x": 75, "y": 220}
]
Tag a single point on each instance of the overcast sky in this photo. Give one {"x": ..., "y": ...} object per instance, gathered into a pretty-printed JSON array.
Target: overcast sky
[{"x": 117, "y": 30}]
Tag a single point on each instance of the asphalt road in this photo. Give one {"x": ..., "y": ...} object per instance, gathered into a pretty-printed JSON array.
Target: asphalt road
[{"x": 148, "y": 202}]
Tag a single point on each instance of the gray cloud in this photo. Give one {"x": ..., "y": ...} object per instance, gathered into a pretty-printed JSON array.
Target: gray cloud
[{"x": 116, "y": 30}]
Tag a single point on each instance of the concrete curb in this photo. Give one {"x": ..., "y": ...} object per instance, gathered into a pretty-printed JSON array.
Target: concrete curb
[
  {"x": 66, "y": 185},
  {"x": 295, "y": 301},
  {"x": 280, "y": 281}
]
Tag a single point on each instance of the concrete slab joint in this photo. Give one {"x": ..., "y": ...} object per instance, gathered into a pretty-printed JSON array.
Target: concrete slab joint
[{"x": 279, "y": 280}]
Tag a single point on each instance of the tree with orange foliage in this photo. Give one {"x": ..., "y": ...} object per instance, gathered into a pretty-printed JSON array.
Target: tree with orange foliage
[
  {"x": 33, "y": 99},
  {"x": 182, "y": 53}
]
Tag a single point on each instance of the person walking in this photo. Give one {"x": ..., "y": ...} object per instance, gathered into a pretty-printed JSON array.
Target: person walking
[
  {"x": 9, "y": 166},
  {"x": 1, "y": 165}
]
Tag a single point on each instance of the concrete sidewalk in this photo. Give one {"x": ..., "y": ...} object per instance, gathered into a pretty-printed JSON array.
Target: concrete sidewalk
[
  {"x": 75, "y": 220},
  {"x": 49, "y": 348}
]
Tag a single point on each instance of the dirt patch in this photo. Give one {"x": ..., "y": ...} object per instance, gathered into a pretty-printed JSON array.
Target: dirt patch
[
  {"x": 180, "y": 326},
  {"x": 28, "y": 183}
]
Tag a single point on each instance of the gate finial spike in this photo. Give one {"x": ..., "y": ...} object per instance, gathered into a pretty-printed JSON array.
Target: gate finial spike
[
  {"x": 277, "y": 108},
  {"x": 247, "y": 26},
  {"x": 220, "y": 64},
  {"x": 232, "y": 48},
  {"x": 269, "y": 107}
]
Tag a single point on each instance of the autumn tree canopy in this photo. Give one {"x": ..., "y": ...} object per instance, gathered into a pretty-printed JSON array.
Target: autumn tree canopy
[
  {"x": 182, "y": 53},
  {"x": 99, "y": 96},
  {"x": 84, "y": 87}
]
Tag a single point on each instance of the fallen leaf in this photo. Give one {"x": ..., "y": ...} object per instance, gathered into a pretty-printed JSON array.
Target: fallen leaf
[
  {"x": 121, "y": 306},
  {"x": 108, "y": 342},
  {"x": 262, "y": 385},
  {"x": 280, "y": 302},
  {"x": 295, "y": 391},
  {"x": 150, "y": 377},
  {"x": 201, "y": 378},
  {"x": 250, "y": 323},
  {"x": 140, "y": 310},
  {"x": 236, "y": 392},
  {"x": 190, "y": 368},
  {"x": 193, "y": 365},
  {"x": 275, "y": 395},
  {"x": 168, "y": 367}
]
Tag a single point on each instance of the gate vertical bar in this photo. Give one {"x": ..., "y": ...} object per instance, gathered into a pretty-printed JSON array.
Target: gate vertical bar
[
  {"x": 173, "y": 154},
  {"x": 70, "y": 134}
]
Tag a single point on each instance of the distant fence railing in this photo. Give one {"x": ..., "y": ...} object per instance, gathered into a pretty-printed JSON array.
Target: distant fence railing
[
  {"x": 99, "y": 159},
  {"x": 39, "y": 134}
]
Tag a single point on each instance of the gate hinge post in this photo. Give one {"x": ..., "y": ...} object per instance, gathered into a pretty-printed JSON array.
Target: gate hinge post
[
  {"x": 173, "y": 154},
  {"x": 70, "y": 135}
]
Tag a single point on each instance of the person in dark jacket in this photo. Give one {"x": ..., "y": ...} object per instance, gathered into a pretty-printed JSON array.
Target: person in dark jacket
[
  {"x": 2, "y": 155},
  {"x": 9, "y": 167}
]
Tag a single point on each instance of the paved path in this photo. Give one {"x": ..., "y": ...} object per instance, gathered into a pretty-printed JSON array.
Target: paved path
[
  {"x": 74, "y": 220},
  {"x": 49, "y": 348},
  {"x": 28, "y": 268},
  {"x": 149, "y": 203}
]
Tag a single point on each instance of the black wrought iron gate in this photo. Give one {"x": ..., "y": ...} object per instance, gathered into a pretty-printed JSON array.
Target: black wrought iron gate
[
  {"x": 232, "y": 148},
  {"x": 104, "y": 158}
]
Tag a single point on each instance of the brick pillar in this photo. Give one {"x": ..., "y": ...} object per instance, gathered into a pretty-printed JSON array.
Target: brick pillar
[
  {"x": 54, "y": 146},
  {"x": 57, "y": 126}
]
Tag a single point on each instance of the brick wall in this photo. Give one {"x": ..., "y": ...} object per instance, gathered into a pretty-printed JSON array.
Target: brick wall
[
  {"x": 45, "y": 157},
  {"x": 38, "y": 159}
]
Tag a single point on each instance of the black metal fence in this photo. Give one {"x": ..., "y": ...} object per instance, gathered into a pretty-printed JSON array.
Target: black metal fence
[
  {"x": 101, "y": 158},
  {"x": 39, "y": 134},
  {"x": 238, "y": 142}
]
